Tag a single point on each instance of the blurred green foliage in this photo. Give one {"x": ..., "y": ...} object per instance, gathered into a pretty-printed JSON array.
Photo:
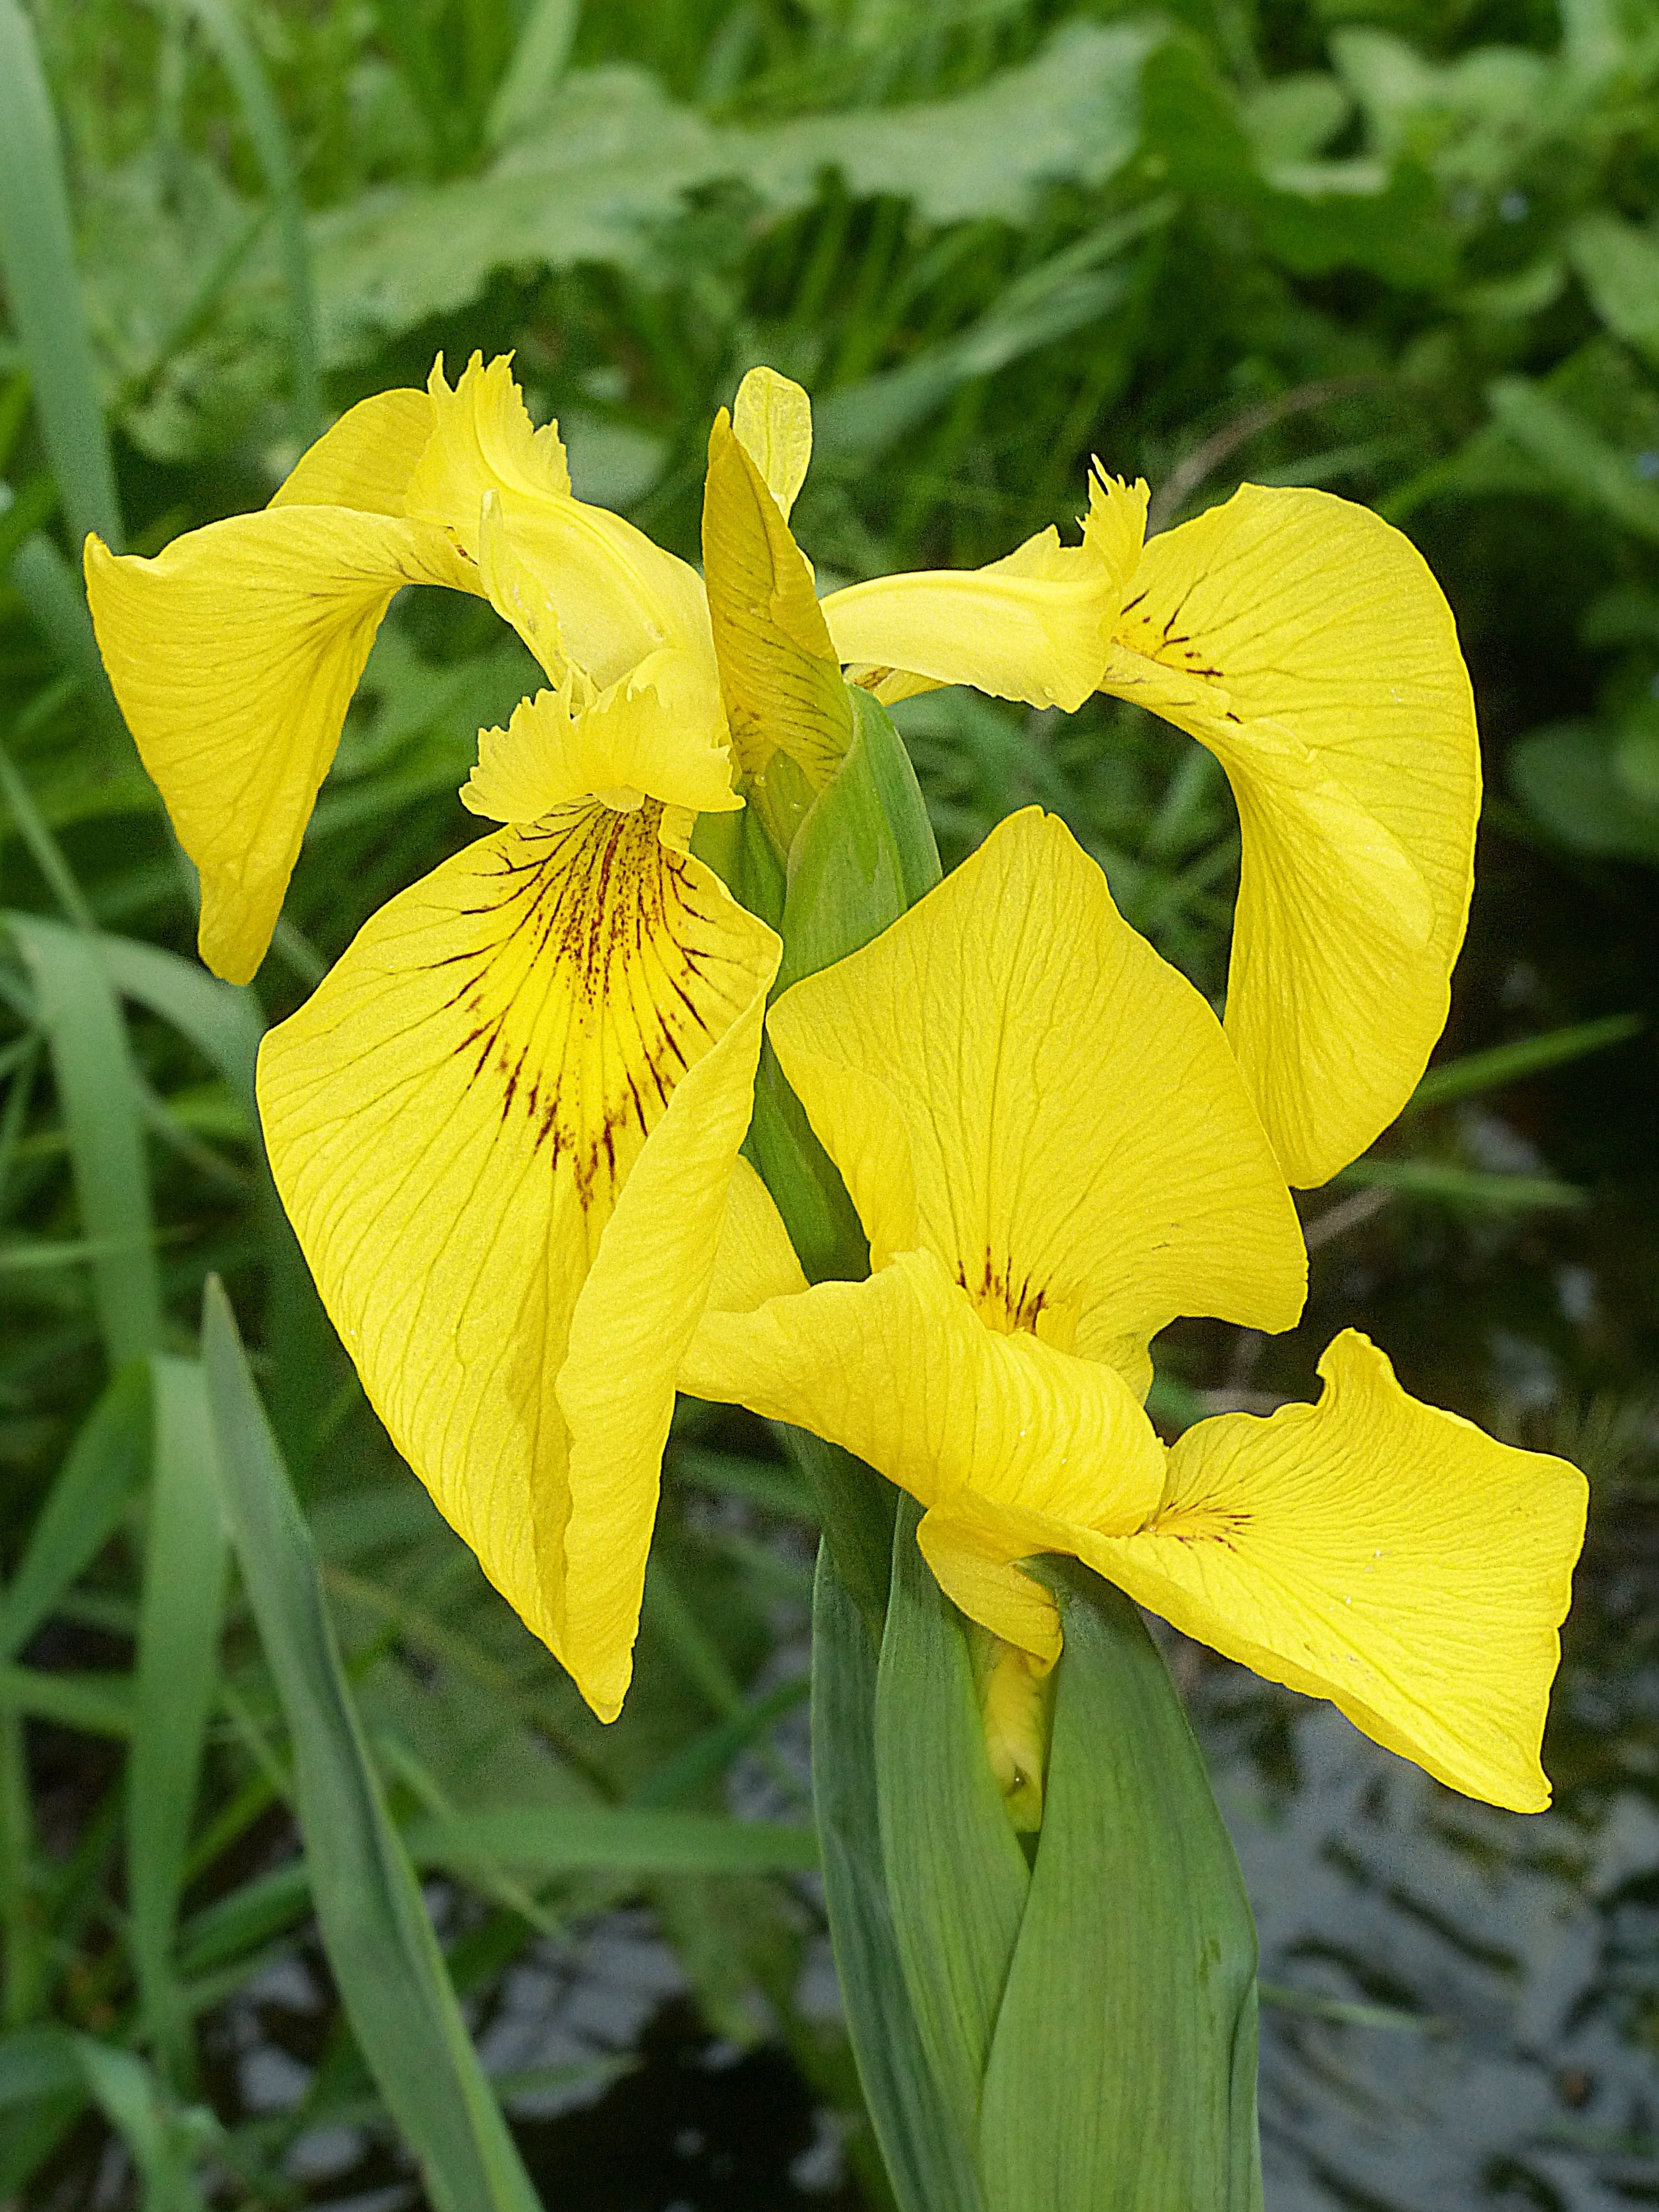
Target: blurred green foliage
[{"x": 1405, "y": 249}]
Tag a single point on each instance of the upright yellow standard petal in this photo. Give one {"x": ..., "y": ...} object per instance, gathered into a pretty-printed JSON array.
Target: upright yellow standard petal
[
  {"x": 1011, "y": 1077},
  {"x": 1035, "y": 625},
  {"x": 483, "y": 441},
  {"x": 1376, "y": 1551},
  {"x": 779, "y": 675},
  {"x": 773, "y": 417},
  {"x": 235, "y": 654},
  {"x": 648, "y": 737},
  {"x": 366, "y": 461},
  {"x": 1306, "y": 643},
  {"x": 503, "y": 1127}
]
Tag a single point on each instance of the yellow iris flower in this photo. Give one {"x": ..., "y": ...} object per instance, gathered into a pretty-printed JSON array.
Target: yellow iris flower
[
  {"x": 505, "y": 1124},
  {"x": 1053, "y": 1153}
]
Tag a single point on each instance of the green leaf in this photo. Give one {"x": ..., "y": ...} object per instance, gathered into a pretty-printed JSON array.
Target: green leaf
[
  {"x": 1509, "y": 1063},
  {"x": 1064, "y": 293},
  {"x": 164, "y": 2141},
  {"x": 1582, "y": 464},
  {"x": 97, "y": 1092},
  {"x": 97, "y": 1705},
  {"x": 616, "y": 156},
  {"x": 1456, "y": 1186},
  {"x": 176, "y": 1675},
  {"x": 548, "y": 1840},
  {"x": 1568, "y": 775},
  {"x": 103, "y": 1467},
  {"x": 266, "y": 127},
  {"x": 1618, "y": 266},
  {"x": 928, "y": 2161},
  {"x": 43, "y": 289},
  {"x": 1122, "y": 2076},
  {"x": 956, "y": 1877},
  {"x": 380, "y": 1942},
  {"x": 532, "y": 76}
]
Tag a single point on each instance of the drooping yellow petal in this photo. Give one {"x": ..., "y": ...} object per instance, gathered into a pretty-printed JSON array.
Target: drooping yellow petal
[
  {"x": 1012, "y": 1078},
  {"x": 235, "y": 654},
  {"x": 483, "y": 441},
  {"x": 1376, "y": 1551},
  {"x": 901, "y": 1369},
  {"x": 1036, "y": 625},
  {"x": 773, "y": 417},
  {"x": 1307, "y": 644},
  {"x": 645, "y": 738},
  {"x": 779, "y": 675},
  {"x": 366, "y": 461},
  {"x": 457, "y": 1120}
]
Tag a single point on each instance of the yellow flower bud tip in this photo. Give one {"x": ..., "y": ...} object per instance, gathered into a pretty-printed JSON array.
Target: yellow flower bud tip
[{"x": 1014, "y": 1709}]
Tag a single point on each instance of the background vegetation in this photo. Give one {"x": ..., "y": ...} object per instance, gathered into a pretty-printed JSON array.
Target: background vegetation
[{"x": 1405, "y": 249}]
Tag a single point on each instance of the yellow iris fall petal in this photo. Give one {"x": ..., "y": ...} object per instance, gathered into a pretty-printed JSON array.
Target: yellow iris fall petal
[
  {"x": 235, "y": 654},
  {"x": 1376, "y": 1552},
  {"x": 1052, "y": 1152},
  {"x": 503, "y": 1127},
  {"x": 1306, "y": 643}
]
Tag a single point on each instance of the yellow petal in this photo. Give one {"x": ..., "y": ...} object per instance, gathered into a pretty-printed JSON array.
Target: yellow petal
[
  {"x": 779, "y": 675},
  {"x": 900, "y": 1370},
  {"x": 580, "y": 584},
  {"x": 235, "y": 654},
  {"x": 1376, "y": 1551},
  {"x": 1306, "y": 643},
  {"x": 772, "y": 418},
  {"x": 367, "y": 459},
  {"x": 1035, "y": 625},
  {"x": 456, "y": 1120},
  {"x": 483, "y": 441},
  {"x": 754, "y": 1259},
  {"x": 1011, "y": 1077},
  {"x": 648, "y": 737}
]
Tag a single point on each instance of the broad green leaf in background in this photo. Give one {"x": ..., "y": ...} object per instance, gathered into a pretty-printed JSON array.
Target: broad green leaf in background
[
  {"x": 615, "y": 154},
  {"x": 98, "y": 1094},
  {"x": 163, "y": 2141},
  {"x": 375, "y": 1927},
  {"x": 177, "y": 1671}
]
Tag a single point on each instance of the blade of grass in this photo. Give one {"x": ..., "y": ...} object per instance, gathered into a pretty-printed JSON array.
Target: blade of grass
[
  {"x": 98, "y": 1095},
  {"x": 103, "y": 1467},
  {"x": 224, "y": 28},
  {"x": 532, "y": 76},
  {"x": 1508, "y": 1063},
  {"x": 96, "y": 1705},
  {"x": 51, "y": 592},
  {"x": 164, "y": 2142},
  {"x": 43, "y": 848},
  {"x": 1458, "y": 1186},
  {"x": 176, "y": 1673},
  {"x": 43, "y": 287},
  {"x": 380, "y": 1942}
]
